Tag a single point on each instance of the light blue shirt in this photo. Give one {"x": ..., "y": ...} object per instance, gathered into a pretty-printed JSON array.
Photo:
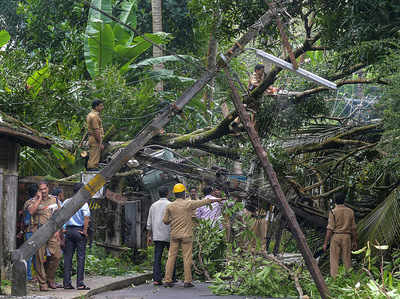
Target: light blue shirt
[{"x": 78, "y": 218}]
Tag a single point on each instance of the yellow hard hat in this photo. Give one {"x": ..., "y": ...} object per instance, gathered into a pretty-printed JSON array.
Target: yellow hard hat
[{"x": 178, "y": 188}]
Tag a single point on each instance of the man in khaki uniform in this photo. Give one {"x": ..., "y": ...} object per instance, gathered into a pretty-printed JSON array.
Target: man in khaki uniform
[
  {"x": 96, "y": 134},
  {"x": 178, "y": 215},
  {"x": 42, "y": 207},
  {"x": 341, "y": 231},
  {"x": 258, "y": 224},
  {"x": 257, "y": 77}
]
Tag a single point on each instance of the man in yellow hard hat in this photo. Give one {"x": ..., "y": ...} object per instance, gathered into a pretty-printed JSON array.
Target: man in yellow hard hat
[{"x": 178, "y": 215}]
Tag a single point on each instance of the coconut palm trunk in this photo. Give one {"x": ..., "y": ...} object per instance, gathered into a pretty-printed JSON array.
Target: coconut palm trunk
[{"x": 156, "y": 9}]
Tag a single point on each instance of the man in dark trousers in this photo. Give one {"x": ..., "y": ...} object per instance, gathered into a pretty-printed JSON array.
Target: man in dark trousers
[
  {"x": 75, "y": 239},
  {"x": 179, "y": 215},
  {"x": 342, "y": 233},
  {"x": 158, "y": 232}
]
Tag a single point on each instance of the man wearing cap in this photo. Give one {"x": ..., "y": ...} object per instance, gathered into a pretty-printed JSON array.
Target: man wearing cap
[
  {"x": 96, "y": 134},
  {"x": 42, "y": 207},
  {"x": 342, "y": 232},
  {"x": 178, "y": 215}
]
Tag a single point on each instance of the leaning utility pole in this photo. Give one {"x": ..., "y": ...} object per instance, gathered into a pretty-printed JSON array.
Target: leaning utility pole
[
  {"x": 45, "y": 232},
  {"x": 284, "y": 205}
]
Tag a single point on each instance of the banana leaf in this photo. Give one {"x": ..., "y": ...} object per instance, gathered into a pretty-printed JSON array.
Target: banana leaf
[
  {"x": 161, "y": 60},
  {"x": 99, "y": 47},
  {"x": 34, "y": 82}
]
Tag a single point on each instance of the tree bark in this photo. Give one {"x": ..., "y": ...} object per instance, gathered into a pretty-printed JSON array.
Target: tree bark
[{"x": 156, "y": 10}]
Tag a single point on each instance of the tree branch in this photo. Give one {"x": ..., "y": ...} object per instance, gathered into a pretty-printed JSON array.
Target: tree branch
[{"x": 303, "y": 94}]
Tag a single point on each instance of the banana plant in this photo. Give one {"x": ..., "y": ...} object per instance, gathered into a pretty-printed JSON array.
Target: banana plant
[{"x": 108, "y": 42}]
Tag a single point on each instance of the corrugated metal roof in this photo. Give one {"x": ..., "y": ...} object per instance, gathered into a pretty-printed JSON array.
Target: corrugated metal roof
[{"x": 21, "y": 133}]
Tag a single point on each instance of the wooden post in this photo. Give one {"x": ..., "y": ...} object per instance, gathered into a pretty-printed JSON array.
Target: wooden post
[
  {"x": 10, "y": 189},
  {"x": 284, "y": 205},
  {"x": 40, "y": 237},
  {"x": 2, "y": 274}
]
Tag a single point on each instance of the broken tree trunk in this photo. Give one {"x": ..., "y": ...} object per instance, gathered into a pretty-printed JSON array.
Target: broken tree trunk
[
  {"x": 284, "y": 205},
  {"x": 67, "y": 211}
]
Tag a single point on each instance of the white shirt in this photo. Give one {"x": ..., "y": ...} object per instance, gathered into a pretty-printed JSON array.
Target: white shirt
[{"x": 160, "y": 231}]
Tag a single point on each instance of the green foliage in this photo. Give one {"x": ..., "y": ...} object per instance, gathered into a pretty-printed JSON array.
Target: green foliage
[
  {"x": 208, "y": 248},
  {"x": 178, "y": 21},
  {"x": 109, "y": 42},
  {"x": 99, "y": 263},
  {"x": 52, "y": 29},
  {"x": 245, "y": 274},
  {"x": 4, "y": 38}
]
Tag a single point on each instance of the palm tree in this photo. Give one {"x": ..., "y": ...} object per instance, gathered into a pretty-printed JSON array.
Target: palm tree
[{"x": 156, "y": 9}]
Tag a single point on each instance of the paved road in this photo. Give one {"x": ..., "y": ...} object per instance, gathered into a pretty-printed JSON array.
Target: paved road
[{"x": 148, "y": 291}]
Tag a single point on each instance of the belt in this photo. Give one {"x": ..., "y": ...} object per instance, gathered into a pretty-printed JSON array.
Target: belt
[
  {"x": 342, "y": 233},
  {"x": 259, "y": 216},
  {"x": 74, "y": 226}
]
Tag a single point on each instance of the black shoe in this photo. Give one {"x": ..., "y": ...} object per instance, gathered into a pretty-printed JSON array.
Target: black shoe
[
  {"x": 168, "y": 284},
  {"x": 69, "y": 287},
  {"x": 188, "y": 285},
  {"x": 83, "y": 287}
]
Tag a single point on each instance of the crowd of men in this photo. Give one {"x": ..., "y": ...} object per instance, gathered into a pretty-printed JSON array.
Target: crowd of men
[
  {"x": 72, "y": 238},
  {"x": 169, "y": 224}
]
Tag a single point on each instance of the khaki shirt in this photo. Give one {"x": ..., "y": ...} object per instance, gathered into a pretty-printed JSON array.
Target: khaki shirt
[
  {"x": 93, "y": 122},
  {"x": 43, "y": 213},
  {"x": 179, "y": 215},
  {"x": 255, "y": 80},
  {"x": 341, "y": 220}
]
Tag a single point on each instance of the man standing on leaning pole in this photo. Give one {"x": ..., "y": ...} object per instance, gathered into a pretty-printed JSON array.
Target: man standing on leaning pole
[
  {"x": 179, "y": 215},
  {"x": 96, "y": 134}
]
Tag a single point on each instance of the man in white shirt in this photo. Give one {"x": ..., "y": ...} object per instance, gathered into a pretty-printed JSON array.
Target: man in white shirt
[{"x": 158, "y": 232}]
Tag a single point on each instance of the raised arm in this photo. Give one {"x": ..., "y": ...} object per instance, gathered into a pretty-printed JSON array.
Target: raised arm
[
  {"x": 167, "y": 218},
  {"x": 199, "y": 203},
  {"x": 32, "y": 209}
]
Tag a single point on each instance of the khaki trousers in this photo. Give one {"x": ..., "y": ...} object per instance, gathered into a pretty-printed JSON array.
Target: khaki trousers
[
  {"x": 340, "y": 247},
  {"x": 94, "y": 153},
  {"x": 259, "y": 228},
  {"x": 187, "y": 246},
  {"x": 46, "y": 268}
]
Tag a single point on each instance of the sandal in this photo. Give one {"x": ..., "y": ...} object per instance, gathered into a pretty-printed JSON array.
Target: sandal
[{"x": 83, "y": 287}]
